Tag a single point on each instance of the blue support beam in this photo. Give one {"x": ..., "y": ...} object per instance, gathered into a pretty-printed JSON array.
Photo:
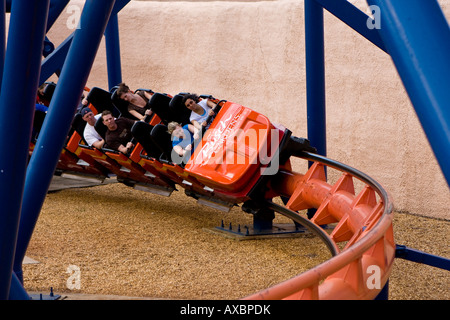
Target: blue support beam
[
  {"x": 2, "y": 37},
  {"x": 315, "y": 79},
  {"x": 354, "y": 18},
  {"x": 112, "y": 43},
  {"x": 56, "y": 7},
  {"x": 54, "y": 62},
  {"x": 417, "y": 36},
  {"x": 17, "y": 291},
  {"x": 315, "y": 76},
  {"x": 403, "y": 252},
  {"x": 74, "y": 75},
  {"x": 17, "y": 104}
]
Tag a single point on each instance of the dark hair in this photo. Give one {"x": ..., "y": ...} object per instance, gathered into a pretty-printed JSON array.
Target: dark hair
[
  {"x": 192, "y": 96},
  {"x": 123, "y": 88}
]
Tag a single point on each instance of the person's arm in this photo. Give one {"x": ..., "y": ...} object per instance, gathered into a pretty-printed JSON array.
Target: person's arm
[
  {"x": 98, "y": 144},
  {"x": 210, "y": 104},
  {"x": 136, "y": 114},
  {"x": 178, "y": 150},
  {"x": 127, "y": 148},
  {"x": 91, "y": 139},
  {"x": 196, "y": 128},
  {"x": 147, "y": 95}
]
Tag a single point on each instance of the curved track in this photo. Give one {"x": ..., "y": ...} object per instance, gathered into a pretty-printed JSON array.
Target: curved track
[{"x": 361, "y": 269}]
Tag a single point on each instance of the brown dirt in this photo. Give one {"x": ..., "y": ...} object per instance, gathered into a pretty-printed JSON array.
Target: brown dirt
[{"x": 132, "y": 243}]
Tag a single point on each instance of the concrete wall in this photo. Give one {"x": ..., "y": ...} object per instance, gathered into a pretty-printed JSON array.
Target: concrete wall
[{"x": 252, "y": 53}]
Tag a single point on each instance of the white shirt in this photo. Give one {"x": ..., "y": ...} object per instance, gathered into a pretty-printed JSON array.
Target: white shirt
[
  {"x": 90, "y": 135},
  {"x": 200, "y": 118}
]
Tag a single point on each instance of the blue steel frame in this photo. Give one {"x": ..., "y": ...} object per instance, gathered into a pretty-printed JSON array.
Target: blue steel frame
[
  {"x": 416, "y": 35},
  {"x": 17, "y": 101},
  {"x": 68, "y": 93},
  {"x": 22, "y": 192}
]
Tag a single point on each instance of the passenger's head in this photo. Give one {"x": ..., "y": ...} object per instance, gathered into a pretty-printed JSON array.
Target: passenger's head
[
  {"x": 42, "y": 88},
  {"x": 88, "y": 115},
  {"x": 175, "y": 129},
  {"x": 190, "y": 100},
  {"x": 108, "y": 120},
  {"x": 172, "y": 126},
  {"x": 124, "y": 92}
]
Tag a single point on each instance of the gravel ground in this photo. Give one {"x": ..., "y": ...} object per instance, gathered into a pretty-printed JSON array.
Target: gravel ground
[{"x": 132, "y": 243}]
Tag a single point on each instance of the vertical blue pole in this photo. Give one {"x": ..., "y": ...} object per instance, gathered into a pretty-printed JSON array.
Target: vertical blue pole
[
  {"x": 17, "y": 291},
  {"x": 315, "y": 79},
  {"x": 112, "y": 43},
  {"x": 384, "y": 293},
  {"x": 2, "y": 37},
  {"x": 315, "y": 75},
  {"x": 417, "y": 36},
  {"x": 47, "y": 151},
  {"x": 17, "y": 103}
]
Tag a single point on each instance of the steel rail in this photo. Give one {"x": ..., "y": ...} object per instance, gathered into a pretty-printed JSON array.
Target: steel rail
[{"x": 311, "y": 226}]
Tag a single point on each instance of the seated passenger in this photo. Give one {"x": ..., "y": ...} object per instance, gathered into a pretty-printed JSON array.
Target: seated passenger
[
  {"x": 118, "y": 134},
  {"x": 41, "y": 98},
  {"x": 137, "y": 102},
  {"x": 41, "y": 107},
  {"x": 40, "y": 113},
  {"x": 90, "y": 135},
  {"x": 181, "y": 139},
  {"x": 200, "y": 110}
]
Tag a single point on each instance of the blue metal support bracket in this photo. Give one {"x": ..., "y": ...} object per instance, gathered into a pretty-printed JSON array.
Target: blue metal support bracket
[
  {"x": 354, "y": 18},
  {"x": 403, "y": 252}
]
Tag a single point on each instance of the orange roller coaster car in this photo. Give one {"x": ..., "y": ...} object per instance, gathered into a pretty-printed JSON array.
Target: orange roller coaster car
[{"x": 243, "y": 158}]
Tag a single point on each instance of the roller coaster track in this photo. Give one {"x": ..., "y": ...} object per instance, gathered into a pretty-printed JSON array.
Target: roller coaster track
[{"x": 361, "y": 269}]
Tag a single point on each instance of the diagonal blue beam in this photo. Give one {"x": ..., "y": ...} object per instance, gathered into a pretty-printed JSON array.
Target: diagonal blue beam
[
  {"x": 119, "y": 5},
  {"x": 354, "y": 18},
  {"x": 417, "y": 36},
  {"x": 56, "y": 7},
  {"x": 17, "y": 104},
  {"x": 74, "y": 75},
  {"x": 54, "y": 62}
]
